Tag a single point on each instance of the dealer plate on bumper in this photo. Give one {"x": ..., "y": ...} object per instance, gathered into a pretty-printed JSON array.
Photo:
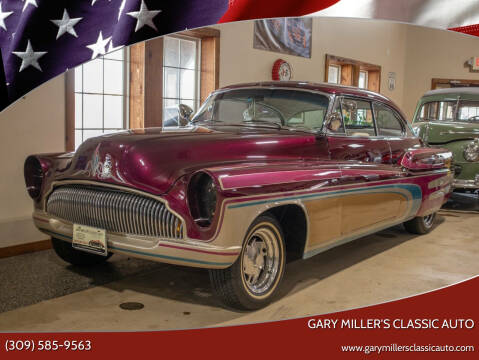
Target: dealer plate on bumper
[{"x": 90, "y": 239}]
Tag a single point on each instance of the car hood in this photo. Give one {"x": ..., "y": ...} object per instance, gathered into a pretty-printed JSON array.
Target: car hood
[
  {"x": 152, "y": 159},
  {"x": 435, "y": 132}
]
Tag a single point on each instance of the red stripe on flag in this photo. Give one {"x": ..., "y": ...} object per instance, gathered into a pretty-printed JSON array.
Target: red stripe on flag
[
  {"x": 251, "y": 9},
  {"x": 470, "y": 29}
]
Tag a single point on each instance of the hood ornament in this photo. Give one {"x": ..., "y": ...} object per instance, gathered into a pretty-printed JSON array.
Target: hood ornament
[{"x": 101, "y": 169}]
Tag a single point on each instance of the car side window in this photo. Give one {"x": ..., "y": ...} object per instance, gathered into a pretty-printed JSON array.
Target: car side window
[
  {"x": 387, "y": 121},
  {"x": 357, "y": 117}
]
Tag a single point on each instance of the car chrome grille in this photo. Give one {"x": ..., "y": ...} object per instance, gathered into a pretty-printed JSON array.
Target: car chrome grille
[{"x": 114, "y": 210}]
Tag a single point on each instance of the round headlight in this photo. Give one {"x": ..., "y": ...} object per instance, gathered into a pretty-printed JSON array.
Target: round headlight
[
  {"x": 202, "y": 195},
  {"x": 471, "y": 151},
  {"x": 33, "y": 173}
]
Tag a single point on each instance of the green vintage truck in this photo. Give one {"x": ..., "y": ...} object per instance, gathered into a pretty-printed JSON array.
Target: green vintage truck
[{"x": 449, "y": 118}]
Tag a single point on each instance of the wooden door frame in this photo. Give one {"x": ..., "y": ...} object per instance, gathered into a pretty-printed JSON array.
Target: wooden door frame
[
  {"x": 146, "y": 75},
  {"x": 465, "y": 82}
]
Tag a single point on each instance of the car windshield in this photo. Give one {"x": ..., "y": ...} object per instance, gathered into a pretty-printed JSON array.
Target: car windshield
[
  {"x": 271, "y": 107},
  {"x": 446, "y": 111},
  {"x": 437, "y": 111}
]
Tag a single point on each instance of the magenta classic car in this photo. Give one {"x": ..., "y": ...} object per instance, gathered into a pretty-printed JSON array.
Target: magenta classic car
[{"x": 261, "y": 171}]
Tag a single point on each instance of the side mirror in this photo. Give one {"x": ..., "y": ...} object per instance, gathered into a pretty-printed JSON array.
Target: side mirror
[
  {"x": 334, "y": 122},
  {"x": 184, "y": 114}
]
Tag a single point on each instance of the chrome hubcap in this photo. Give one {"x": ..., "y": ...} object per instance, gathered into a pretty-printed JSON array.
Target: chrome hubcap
[
  {"x": 260, "y": 261},
  {"x": 429, "y": 220}
]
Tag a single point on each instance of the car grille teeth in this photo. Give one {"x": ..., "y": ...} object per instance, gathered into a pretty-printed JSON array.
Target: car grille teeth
[{"x": 115, "y": 211}]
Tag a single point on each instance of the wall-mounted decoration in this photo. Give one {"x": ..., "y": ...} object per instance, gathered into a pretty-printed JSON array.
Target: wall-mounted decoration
[
  {"x": 391, "y": 81},
  {"x": 281, "y": 70},
  {"x": 286, "y": 35},
  {"x": 473, "y": 63}
]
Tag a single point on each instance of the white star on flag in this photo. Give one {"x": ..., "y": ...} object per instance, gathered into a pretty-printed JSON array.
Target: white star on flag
[
  {"x": 144, "y": 16},
  {"x": 94, "y": 1},
  {"x": 29, "y": 2},
  {"x": 29, "y": 57},
  {"x": 98, "y": 48},
  {"x": 66, "y": 24},
  {"x": 3, "y": 16}
]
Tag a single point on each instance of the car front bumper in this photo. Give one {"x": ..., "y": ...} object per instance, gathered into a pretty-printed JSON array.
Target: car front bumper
[
  {"x": 187, "y": 252},
  {"x": 466, "y": 184}
]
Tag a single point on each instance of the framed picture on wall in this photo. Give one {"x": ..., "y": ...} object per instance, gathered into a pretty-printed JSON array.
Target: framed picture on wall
[{"x": 286, "y": 35}]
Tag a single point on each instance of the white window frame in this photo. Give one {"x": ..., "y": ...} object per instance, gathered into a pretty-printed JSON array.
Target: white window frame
[{"x": 125, "y": 95}]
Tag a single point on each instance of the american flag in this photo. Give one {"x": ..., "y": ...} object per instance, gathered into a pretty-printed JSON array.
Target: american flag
[{"x": 40, "y": 39}]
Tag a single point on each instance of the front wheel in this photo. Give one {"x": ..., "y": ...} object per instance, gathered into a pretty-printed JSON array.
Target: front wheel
[
  {"x": 420, "y": 224},
  {"x": 251, "y": 282}
]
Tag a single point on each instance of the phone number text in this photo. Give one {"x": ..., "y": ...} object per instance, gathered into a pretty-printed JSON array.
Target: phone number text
[{"x": 47, "y": 345}]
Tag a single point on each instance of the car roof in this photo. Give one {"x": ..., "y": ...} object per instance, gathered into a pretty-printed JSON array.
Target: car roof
[
  {"x": 328, "y": 88},
  {"x": 454, "y": 90}
]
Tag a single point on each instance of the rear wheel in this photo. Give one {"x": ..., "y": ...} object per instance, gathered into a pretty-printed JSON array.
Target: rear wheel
[
  {"x": 65, "y": 251},
  {"x": 420, "y": 224},
  {"x": 251, "y": 282}
]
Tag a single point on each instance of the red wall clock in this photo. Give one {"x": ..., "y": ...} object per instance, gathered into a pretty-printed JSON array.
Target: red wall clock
[{"x": 281, "y": 70}]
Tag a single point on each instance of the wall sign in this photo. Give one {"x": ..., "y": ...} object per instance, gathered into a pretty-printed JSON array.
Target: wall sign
[{"x": 391, "y": 81}]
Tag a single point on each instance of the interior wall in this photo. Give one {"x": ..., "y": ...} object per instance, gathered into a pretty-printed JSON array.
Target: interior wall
[
  {"x": 34, "y": 124},
  {"x": 415, "y": 54},
  {"x": 433, "y": 53},
  {"x": 376, "y": 42}
]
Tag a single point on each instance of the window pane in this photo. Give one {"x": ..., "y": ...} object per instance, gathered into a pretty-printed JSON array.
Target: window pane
[
  {"x": 188, "y": 54},
  {"x": 358, "y": 117},
  {"x": 468, "y": 110},
  {"x": 171, "y": 83},
  {"x": 93, "y": 76},
  {"x": 387, "y": 122},
  {"x": 92, "y": 111},
  {"x": 190, "y": 103},
  {"x": 168, "y": 103},
  {"x": 91, "y": 133},
  {"x": 113, "y": 77},
  {"x": 170, "y": 112},
  {"x": 363, "y": 79},
  {"x": 115, "y": 55},
  {"x": 113, "y": 111},
  {"x": 187, "y": 84},
  {"x": 78, "y": 79},
  {"x": 78, "y": 110},
  {"x": 78, "y": 138},
  {"x": 172, "y": 51},
  {"x": 333, "y": 74}
]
